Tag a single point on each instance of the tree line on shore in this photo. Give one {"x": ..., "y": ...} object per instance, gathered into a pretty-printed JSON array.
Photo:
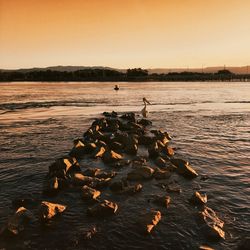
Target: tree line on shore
[{"x": 136, "y": 74}]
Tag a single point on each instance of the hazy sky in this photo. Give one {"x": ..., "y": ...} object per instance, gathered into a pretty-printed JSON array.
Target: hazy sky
[{"x": 124, "y": 33}]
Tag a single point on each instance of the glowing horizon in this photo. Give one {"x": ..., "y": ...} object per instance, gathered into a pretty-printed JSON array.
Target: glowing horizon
[{"x": 124, "y": 34}]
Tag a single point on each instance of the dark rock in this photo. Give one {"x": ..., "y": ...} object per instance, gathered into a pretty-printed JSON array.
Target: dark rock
[
  {"x": 150, "y": 220},
  {"x": 110, "y": 114},
  {"x": 116, "y": 146},
  {"x": 132, "y": 189},
  {"x": 91, "y": 172},
  {"x": 153, "y": 150},
  {"x": 198, "y": 199},
  {"x": 103, "y": 208},
  {"x": 212, "y": 225},
  {"x": 49, "y": 210},
  {"x": 144, "y": 122},
  {"x": 184, "y": 168},
  {"x": 131, "y": 145},
  {"x": 128, "y": 116},
  {"x": 100, "y": 182},
  {"x": 79, "y": 179},
  {"x": 99, "y": 152},
  {"x": 111, "y": 156},
  {"x": 146, "y": 140},
  {"x": 118, "y": 186},
  {"x": 51, "y": 186},
  {"x": 24, "y": 202},
  {"x": 168, "y": 151},
  {"x": 162, "y": 200},
  {"x": 161, "y": 174},
  {"x": 89, "y": 234},
  {"x": 18, "y": 221},
  {"x": 90, "y": 193},
  {"x": 143, "y": 172},
  {"x": 160, "y": 162}
]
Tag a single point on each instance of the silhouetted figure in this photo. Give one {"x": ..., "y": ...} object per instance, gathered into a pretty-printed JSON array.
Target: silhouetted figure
[
  {"x": 144, "y": 110},
  {"x": 116, "y": 87}
]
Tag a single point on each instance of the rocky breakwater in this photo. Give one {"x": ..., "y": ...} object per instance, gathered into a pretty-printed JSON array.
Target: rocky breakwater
[{"x": 133, "y": 154}]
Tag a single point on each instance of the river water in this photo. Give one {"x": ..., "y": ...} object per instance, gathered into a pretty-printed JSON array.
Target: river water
[{"x": 210, "y": 127}]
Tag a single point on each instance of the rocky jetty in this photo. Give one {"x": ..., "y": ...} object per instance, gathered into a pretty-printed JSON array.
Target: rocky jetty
[{"x": 127, "y": 154}]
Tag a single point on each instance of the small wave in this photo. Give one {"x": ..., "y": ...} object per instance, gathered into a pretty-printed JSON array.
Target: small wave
[{"x": 237, "y": 102}]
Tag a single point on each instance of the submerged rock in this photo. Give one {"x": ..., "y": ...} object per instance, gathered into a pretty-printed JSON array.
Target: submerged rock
[
  {"x": 161, "y": 174},
  {"x": 103, "y": 208},
  {"x": 198, "y": 199},
  {"x": 151, "y": 219},
  {"x": 48, "y": 210},
  {"x": 18, "y": 221},
  {"x": 184, "y": 168},
  {"x": 212, "y": 225},
  {"x": 90, "y": 193},
  {"x": 162, "y": 200},
  {"x": 143, "y": 172}
]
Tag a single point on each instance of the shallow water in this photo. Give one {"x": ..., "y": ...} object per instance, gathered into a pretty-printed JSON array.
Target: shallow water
[{"x": 210, "y": 126}]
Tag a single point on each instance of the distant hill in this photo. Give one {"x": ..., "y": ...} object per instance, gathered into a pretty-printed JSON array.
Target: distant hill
[{"x": 236, "y": 70}]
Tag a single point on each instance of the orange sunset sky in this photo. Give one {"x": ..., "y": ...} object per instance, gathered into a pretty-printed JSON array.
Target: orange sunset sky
[{"x": 124, "y": 33}]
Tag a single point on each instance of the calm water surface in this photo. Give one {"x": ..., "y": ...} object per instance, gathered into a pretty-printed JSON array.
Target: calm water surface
[{"x": 210, "y": 126}]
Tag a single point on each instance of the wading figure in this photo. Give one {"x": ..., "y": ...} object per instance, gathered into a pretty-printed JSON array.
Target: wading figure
[{"x": 144, "y": 110}]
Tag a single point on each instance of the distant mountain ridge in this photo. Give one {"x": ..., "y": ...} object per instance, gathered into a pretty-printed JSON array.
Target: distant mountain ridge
[{"x": 236, "y": 70}]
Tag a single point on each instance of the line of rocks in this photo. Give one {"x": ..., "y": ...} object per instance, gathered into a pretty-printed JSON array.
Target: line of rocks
[{"x": 116, "y": 140}]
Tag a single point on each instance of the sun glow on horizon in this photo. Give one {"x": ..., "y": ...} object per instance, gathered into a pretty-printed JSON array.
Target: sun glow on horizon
[{"x": 124, "y": 34}]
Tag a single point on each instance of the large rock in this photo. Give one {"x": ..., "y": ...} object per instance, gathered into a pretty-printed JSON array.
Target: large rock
[
  {"x": 111, "y": 156},
  {"x": 48, "y": 210},
  {"x": 143, "y": 172},
  {"x": 144, "y": 122},
  {"x": 18, "y": 221},
  {"x": 169, "y": 151},
  {"x": 153, "y": 150},
  {"x": 128, "y": 116},
  {"x": 52, "y": 186},
  {"x": 90, "y": 193},
  {"x": 99, "y": 152},
  {"x": 212, "y": 225},
  {"x": 151, "y": 219},
  {"x": 198, "y": 199},
  {"x": 184, "y": 168},
  {"x": 103, "y": 208},
  {"x": 64, "y": 166}
]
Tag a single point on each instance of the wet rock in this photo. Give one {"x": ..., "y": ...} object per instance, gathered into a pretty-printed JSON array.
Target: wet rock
[
  {"x": 92, "y": 172},
  {"x": 131, "y": 145},
  {"x": 184, "y": 168},
  {"x": 162, "y": 200},
  {"x": 105, "y": 175},
  {"x": 99, "y": 152},
  {"x": 128, "y": 116},
  {"x": 24, "y": 202},
  {"x": 90, "y": 193},
  {"x": 79, "y": 179},
  {"x": 143, "y": 172},
  {"x": 111, "y": 156},
  {"x": 89, "y": 148},
  {"x": 18, "y": 221},
  {"x": 100, "y": 182},
  {"x": 131, "y": 189},
  {"x": 116, "y": 146},
  {"x": 118, "y": 186},
  {"x": 198, "y": 199},
  {"x": 161, "y": 174},
  {"x": 51, "y": 186},
  {"x": 110, "y": 114},
  {"x": 63, "y": 166},
  {"x": 144, "y": 122},
  {"x": 151, "y": 219},
  {"x": 78, "y": 150},
  {"x": 212, "y": 225},
  {"x": 160, "y": 134},
  {"x": 103, "y": 208},
  {"x": 168, "y": 151},
  {"x": 160, "y": 162},
  {"x": 153, "y": 150},
  {"x": 49, "y": 210},
  {"x": 146, "y": 140}
]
